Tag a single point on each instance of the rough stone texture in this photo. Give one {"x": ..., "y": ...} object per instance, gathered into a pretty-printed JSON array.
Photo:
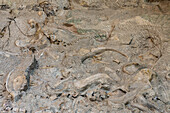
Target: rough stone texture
[{"x": 84, "y": 56}]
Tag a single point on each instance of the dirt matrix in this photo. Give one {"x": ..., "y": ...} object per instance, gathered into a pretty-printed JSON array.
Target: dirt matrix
[{"x": 84, "y": 56}]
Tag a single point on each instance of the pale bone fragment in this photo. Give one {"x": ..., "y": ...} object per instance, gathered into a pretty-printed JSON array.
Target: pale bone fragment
[
  {"x": 87, "y": 81},
  {"x": 22, "y": 43},
  {"x": 116, "y": 61},
  {"x": 125, "y": 98},
  {"x": 58, "y": 83},
  {"x": 19, "y": 110},
  {"x": 108, "y": 69},
  {"x": 15, "y": 109},
  {"x": 31, "y": 22},
  {"x": 53, "y": 97},
  {"x": 139, "y": 107},
  {"x": 148, "y": 104},
  {"x": 167, "y": 76},
  {"x": 19, "y": 82},
  {"x": 126, "y": 65},
  {"x": 40, "y": 13},
  {"x": 136, "y": 105},
  {"x": 114, "y": 76},
  {"x": 143, "y": 76},
  {"x": 99, "y": 50},
  {"x": 83, "y": 51},
  {"x": 15, "y": 78},
  {"x": 6, "y": 53},
  {"x": 7, "y": 81}
]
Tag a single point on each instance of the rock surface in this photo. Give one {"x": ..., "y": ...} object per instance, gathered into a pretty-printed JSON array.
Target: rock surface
[{"x": 79, "y": 56}]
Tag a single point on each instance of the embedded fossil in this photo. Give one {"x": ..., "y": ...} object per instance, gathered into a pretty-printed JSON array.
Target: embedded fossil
[
  {"x": 16, "y": 80},
  {"x": 19, "y": 82}
]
